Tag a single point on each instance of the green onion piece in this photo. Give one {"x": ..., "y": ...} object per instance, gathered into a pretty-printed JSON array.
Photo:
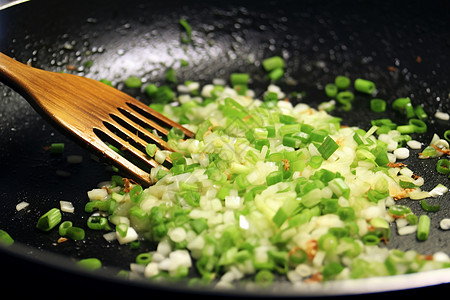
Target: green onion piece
[
  {"x": 151, "y": 90},
  {"x": 274, "y": 177},
  {"x": 276, "y": 74},
  {"x": 364, "y": 86},
  {"x": 143, "y": 258},
  {"x": 447, "y": 135},
  {"x": 409, "y": 111},
  {"x": 57, "y": 148},
  {"x": 346, "y": 213},
  {"x": 272, "y": 63},
  {"x": 370, "y": 239},
  {"x": 264, "y": 278},
  {"x": 443, "y": 166},
  {"x": 186, "y": 36},
  {"x": 412, "y": 219},
  {"x": 419, "y": 125},
  {"x": 339, "y": 187},
  {"x": 420, "y": 112},
  {"x": 133, "y": 82},
  {"x": 151, "y": 149},
  {"x": 239, "y": 79},
  {"x": 423, "y": 228},
  {"x": 75, "y": 233},
  {"x": 331, "y": 269},
  {"x": 400, "y": 104},
  {"x": 136, "y": 193},
  {"x": 122, "y": 229},
  {"x": 90, "y": 264},
  {"x": 63, "y": 228},
  {"x": 378, "y": 105},
  {"x": 5, "y": 238},
  {"x": 399, "y": 210},
  {"x": 345, "y": 97},
  {"x": 430, "y": 208},
  {"x": 405, "y": 129},
  {"x": 328, "y": 243},
  {"x": 97, "y": 223},
  {"x": 315, "y": 162},
  {"x": 331, "y": 90},
  {"x": 342, "y": 82},
  {"x": 328, "y": 147},
  {"x": 286, "y": 119},
  {"x": 171, "y": 76},
  {"x": 199, "y": 225},
  {"x": 49, "y": 220},
  {"x": 106, "y": 81}
]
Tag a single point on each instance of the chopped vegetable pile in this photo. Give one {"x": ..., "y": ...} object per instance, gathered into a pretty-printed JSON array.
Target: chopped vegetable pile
[{"x": 267, "y": 189}]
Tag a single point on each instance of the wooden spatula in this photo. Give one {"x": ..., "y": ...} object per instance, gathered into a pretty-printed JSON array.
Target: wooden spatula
[{"x": 94, "y": 114}]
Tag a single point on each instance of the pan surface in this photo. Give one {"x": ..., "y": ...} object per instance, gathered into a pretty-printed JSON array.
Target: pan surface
[{"x": 403, "y": 47}]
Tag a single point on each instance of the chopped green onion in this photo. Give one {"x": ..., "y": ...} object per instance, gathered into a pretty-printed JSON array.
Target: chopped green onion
[
  {"x": 106, "y": 81},
  {"x": 171, "y": 76},
  {"x": 420, "y": 112},
  {"x": 133, "y": 82},
  {"x": 447, "y": 135},
  {"x": 423, "y": 228},
  {"x": 272, "y": 63},
  {"x": 405, "y": 129},
  {"x": 75, "y": 233},
  {"x": 328, "y": 243},
  {"x": 331, "y": 90},
  {"x": 63, "y": 227},
  {"x": 419, "y": 125},
  {"x": 186, "y": 37},
  {"x": 315, "y": 162},
  {"x": 239, "y": 79},
  {"x": 332, "y": 269},
  {"x": 274, "y": 177},
  {"x": 328, "y": 147},
  {"x": 276, "y": 74},
  {"x": 151, "y": 149},
  {"x": 443, "y": 166},
  {"x": 342, "y": 82},
  {"x": 345, "y": 97},
  {"x": 378, "y": 105},
  {"x": 97, "y": 223},
  {"x": 5, "y": 238},
  {"x": 49, "y": 220},
  {"x": 364, "y": 86},
  {"x": 430, "y": 208},
  {"x": 90, "y": 264},
  {"x": 57, "y": 148},
  {"x": 143, "y": 258},
  {"x": 264, "y": 278}
]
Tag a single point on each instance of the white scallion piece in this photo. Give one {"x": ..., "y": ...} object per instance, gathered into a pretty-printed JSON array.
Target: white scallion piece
[
  {"x": 445, "y": 224},
  {"x": 442, "y": 115},
  {"x": 22, "y": 205},
  {"x": 129, "y": 237},
  {"x": 413, "y": 144},
  {"x": 439, "y": 190},
  {"x": 401, "y": 153},
  {"x": 97, "y": 194},
  {"x": 66, "y": 206}
]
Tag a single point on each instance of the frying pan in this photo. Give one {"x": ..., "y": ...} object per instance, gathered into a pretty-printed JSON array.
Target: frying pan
[{"x": 403, "y": 47}]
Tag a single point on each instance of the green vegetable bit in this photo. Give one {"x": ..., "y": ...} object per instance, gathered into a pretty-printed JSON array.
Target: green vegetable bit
[{"x": 49, "y": 220}]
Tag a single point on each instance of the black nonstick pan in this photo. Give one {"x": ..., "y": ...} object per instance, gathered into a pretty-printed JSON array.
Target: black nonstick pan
[{"x": 404, "y": 47}]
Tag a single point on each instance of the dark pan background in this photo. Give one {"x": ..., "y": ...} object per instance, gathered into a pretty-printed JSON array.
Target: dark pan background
[{"x": 404, "y": 47}]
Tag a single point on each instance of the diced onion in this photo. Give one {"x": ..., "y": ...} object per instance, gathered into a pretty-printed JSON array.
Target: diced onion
[
  {"x": 67, "y": 206},
  {"x": 22, "y": 205}
]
